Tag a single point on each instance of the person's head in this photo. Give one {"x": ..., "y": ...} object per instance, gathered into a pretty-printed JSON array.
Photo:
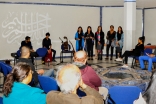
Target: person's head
[
  {"x": 150, "y": 93},
  {"x": 80, "y": 57},
  {"x": 68, "y": 78},
  {"x": 89, "y": 29},
  {"x": 99, "y": 29},
  {"x": 111, "y": 28},
  {"x": 21, "y": 72},
  {"x": 27, "y": 39},
  {"x": 25, "y": 52},
  {"x": 120, "y": 30},
  {"x": 80, "y": 29},
  {"x": 141, "y": 39},
  {"x": 47, "y": 35}
]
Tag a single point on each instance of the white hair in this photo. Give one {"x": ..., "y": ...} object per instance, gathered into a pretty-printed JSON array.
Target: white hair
[{"x": 68, "y": 86}]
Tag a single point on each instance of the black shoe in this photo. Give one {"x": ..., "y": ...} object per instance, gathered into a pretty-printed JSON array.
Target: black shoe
[
  {"x": 106, "y": 58},
  {"x": 91, "y": 58},
  {"x": 43, "y": 62},
  {"x": 111, "y": 58},
  {"x": 144, "y": 69},
  {"x": 88, "y": 58}
]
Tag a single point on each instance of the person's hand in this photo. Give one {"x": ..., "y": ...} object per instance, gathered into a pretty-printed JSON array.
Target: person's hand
[
  {"x": 32, "y": 50},
  {"x": 99, "y": 42},
  {"x": 131, "y": 50},
  {"x": 78, "y": 39},
  {"x": 49, "y": 51},
  {"x": 117, "y": 42},
  {"x": 82, "y": 85},
  {"x": 82, "y": 36},
  {"x": 105, "y": 44},
  {"x": 41, "y": 71},
  {"x": 151, "y": 55}
]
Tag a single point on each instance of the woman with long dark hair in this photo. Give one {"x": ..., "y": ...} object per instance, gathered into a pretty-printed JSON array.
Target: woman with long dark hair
[
  {"x": 79, "y": 37},
  {"x": 110, "y": 38},
  {"x": 16, "y": 89},
  {"x": 89, "y": 37},
  {"x": 119, "y": 40},
  {"x": 99, "y": 39},
  {"x": 150, "y": 93},
  {"x": 133, "y": 52}
]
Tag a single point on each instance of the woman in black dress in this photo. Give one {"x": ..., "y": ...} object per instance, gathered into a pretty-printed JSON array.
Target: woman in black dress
[
  {"x": 110, "y": 38},
  {"x": 133, "y": 52},
  {"x": 99, "y": 37},
  {"x": 89, "y": 38}
]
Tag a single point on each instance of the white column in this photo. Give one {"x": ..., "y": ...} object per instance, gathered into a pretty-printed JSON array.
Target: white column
[{"x": 129, "y": 24}]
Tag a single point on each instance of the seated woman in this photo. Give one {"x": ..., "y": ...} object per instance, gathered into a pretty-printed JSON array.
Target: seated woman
[
  {"x": 149, "y": 95},
  {"x": 133, "y": 52},
  {"x": 16, "y": 89}
]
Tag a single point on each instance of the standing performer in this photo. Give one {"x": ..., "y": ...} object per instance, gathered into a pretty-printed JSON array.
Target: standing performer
[
  {"x": 79, "y": 37},
  {"x": 89, "y": 37}
]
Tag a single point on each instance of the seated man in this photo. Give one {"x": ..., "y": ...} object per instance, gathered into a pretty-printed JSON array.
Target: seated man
[
  {"x": 46, "y": 43},
  {"x": 25, "y": 54},
  {"x": 150, "y": 58},
  {"x": 69, "y": 79},
  {"x": 27, "y": 43},
  {"x": 89, "y": 76}
]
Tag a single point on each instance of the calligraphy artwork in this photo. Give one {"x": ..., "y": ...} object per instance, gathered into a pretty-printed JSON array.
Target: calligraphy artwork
[{"x": 17, "y": 25}]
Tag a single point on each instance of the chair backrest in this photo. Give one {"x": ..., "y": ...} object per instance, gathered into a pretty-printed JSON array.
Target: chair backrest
[
  {"x": 62, "y": 47},
  {"x": 41, "y": 52},
  {"x": 18, "y": 53},
  {"x": 5, "y": 69},
  {"x": 47, "y": 83},
  {"x": 124, "y": 94},
  {"x": 147, "y": 50},
  {"x": 1, "y": 100}
]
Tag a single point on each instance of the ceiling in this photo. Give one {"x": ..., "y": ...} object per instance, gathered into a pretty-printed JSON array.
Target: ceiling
[{"x": 140, "y": 3}]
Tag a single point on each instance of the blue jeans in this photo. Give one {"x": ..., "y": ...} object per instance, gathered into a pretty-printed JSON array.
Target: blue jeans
[
  {"x": 49, "y": 73},
  {"x": 150, "y": 62}
]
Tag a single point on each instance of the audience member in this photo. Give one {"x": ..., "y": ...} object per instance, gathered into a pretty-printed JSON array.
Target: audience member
[
  {"x": 110, "y": 38},
  {"x": 150, "y": 58},
  {"x": 27, "y": 42},
  {"x": 150, "y": 93},
  {"x": 79, "y": 37},
  {"x": 99, "y": 39},
  {"x": 89, "y": 37},
  {"x": 46, "y": 43},
  {"x": 16, "y": 89},
  {"x": 133, "y": 52},
  {"x": 119, "y": 37},
  {"x": 25, "y": 53},
  {"x": 88, "y": 74},
  {"x": 69, "y": 80}
]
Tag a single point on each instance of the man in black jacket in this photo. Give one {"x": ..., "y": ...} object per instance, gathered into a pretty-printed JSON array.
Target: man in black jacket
[{"x": 25, "y": 54}]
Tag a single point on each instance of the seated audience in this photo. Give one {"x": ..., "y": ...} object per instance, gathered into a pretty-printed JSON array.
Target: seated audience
[
  {"x": 25, "y": 53},
  {"x": 88, "y": 74},
  {"x": 150, "y": 58},
  {"x": 133, "y": 52},
  {"x": 27, "y": 43},
  {"x": 150, "y": 93},
  {"x": 69, "y": 80},
  {"x": 16, "y": 89}
]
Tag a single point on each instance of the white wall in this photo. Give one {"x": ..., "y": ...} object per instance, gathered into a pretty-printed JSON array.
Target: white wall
[
  {"x": 18, "y": 21},
  {"x": 150, "y": 26}
]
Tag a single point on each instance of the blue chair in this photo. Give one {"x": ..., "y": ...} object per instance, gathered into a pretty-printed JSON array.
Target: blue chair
[
  {"x": 48, "y": 83},
  {"x": 41, "y": 53},
  {"x": 1, "y": 100},
  {"x": 5, "y": 69},
  {"x": 123, "y": 94}
]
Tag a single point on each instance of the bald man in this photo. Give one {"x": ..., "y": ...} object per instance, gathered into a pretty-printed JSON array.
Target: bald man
[
  {"x": 69, "y": 80},
  {"x": 25, "y": 57},
  {"x": 88, "y": 74}
]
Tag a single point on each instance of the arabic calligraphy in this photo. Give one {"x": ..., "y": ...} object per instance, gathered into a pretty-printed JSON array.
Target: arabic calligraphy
[{"x": 18, "y": 25}]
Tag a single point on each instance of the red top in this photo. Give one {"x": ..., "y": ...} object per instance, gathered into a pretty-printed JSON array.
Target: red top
[{"x": 90, "y": 77}]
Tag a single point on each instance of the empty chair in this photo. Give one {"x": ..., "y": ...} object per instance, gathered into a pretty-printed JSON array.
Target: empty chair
[
  {"x": 47, "y": 83},
  {"x": 124, "y": 94},
  {"x": 1, "y": 100}
]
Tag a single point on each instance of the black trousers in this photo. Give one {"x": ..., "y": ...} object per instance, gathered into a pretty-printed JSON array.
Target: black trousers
[
  {"x": 107, "y": 49},
  {"x": 80, "y": 45},
  {"x": 126, "y": 55},
  {"x": 32, "y": 55},
  {"x": 90, "y": 50},
  {"x": 120, "y": 53}
]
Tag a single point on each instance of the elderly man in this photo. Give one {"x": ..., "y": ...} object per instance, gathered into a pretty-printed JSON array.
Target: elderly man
[
  {"x": 69, "y": 80},
  {"x": 25, "y": 54},
  {"x": 88, "y": 74},
  {"x": 150, "y": 58}
]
